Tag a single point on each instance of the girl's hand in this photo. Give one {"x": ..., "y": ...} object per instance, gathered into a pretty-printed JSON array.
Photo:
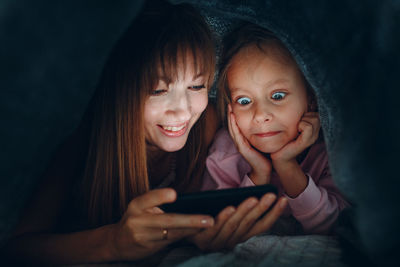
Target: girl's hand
[
  {"x": 261, "y": 166},
  {"x": 145, "y": 228},
  {"x": 308, "y": 127},
  {"x": 236, "y": 226}
]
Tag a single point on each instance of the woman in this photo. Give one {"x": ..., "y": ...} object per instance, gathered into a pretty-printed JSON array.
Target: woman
[{"x": 100, "y": 196}]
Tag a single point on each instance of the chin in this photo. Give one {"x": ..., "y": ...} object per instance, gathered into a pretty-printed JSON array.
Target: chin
[
  {"x": 173, "y": 147},
  {"x": 268, "y": 149}
]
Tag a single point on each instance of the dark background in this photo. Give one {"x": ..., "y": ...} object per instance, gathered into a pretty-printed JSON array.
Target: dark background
[{"x": 52, "y": 54}]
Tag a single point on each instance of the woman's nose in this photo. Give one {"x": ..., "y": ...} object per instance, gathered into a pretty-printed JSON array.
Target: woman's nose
[{"x": 180, "y": 106}]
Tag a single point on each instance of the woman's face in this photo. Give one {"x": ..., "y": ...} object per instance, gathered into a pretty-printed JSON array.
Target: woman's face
[{"x": 174, "y": 107}]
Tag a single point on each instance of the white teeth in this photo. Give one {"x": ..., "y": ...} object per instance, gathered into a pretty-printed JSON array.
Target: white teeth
[{"x": 173, "y": 129}]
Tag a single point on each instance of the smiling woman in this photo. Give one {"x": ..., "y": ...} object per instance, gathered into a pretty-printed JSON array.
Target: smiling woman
[
  {"x": 100, "y": 198},
  {"x": 145, "y": 90},
  {"x": 147, "y": 113}
]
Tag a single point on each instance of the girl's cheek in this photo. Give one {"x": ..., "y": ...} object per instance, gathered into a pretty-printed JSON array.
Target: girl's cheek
[{"x": 241, "y": 120}]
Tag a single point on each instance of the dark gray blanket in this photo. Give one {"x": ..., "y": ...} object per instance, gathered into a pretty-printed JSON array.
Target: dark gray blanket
[{"x": 52, "y": 53}]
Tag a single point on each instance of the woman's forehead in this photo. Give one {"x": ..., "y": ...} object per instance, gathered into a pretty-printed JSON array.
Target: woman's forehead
[{"x": 182, "y": 67}]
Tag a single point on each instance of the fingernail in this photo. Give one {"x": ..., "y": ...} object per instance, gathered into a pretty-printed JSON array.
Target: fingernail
[
  {"x": 268, "y": 200},
  {"x": 207, "y": 221},
  {"x": 171, "y": 194},
  {"x": 230, "y": 210},
  {"x": 251, "y": 203}
]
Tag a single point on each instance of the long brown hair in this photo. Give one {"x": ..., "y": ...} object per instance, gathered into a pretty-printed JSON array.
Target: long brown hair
[
  {"x": 116, "y": 169},
  {"x": 243, "y": 36}
]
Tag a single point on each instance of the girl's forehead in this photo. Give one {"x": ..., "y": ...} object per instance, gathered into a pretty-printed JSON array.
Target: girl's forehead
[{"x": 257, "y": 52}]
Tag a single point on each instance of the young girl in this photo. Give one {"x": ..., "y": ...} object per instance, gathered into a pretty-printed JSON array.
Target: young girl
[
  {"x": 144, "y": 130},
  {"x": 274, "y": 130}
]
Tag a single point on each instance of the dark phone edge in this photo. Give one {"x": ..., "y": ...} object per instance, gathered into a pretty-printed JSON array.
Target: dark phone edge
[{"x": 230, "y": 191}]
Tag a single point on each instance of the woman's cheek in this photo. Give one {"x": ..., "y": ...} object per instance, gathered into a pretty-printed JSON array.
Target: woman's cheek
[{"x": 199, "y": 101}]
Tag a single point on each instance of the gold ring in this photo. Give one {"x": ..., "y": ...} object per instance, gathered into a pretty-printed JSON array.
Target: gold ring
[{"x": 165, "y": 234}]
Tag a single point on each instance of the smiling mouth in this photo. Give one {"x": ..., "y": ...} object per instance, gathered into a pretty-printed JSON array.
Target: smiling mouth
[
  {"x": 173, "y": 131},
  {"x": 267, "y": 134},
  {"x": 173, "y": 128}
]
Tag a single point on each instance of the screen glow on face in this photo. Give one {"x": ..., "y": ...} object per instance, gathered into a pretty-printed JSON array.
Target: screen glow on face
[{"x": 173, "y": 108}]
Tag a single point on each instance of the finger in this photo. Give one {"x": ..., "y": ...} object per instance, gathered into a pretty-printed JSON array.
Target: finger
[
  {"x": 312, "y": 118},
  {"x": 240, "y": 141},
  {"x": 309, "y": 133},
  {"x": 158, "y": 238},
  {"x": 234, "y": 129},
  {"x": 268, "y": 220},
  {"x": 233, "y": 222},
  {"x": 305, "y": 128},
  {"x": 150, "y": 200},
  {"x": 231, "y": 122},
  {"x": 172, "y": 220},
  {"x": 205, "y": 237},
  {"x": 155, "y": 210},
  {"x": 314, "y": 121},
  {"x": 248, "y": 221},
  {"x": 169, "y": 235}
]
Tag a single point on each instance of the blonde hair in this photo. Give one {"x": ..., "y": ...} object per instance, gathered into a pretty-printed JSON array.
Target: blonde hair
[
  {"x": 116, "y": 169},
  {"x": 246, "y": 35}
]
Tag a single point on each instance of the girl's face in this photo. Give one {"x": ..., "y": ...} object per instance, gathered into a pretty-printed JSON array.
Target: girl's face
[
  {"x": 174, "y": 107},
  {"x": 269, "y": 98}
]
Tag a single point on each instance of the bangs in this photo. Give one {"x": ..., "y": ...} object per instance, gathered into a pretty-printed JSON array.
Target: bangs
[
  {"x": 178, "y": 61},
  {"x": 185, "y": 43}
]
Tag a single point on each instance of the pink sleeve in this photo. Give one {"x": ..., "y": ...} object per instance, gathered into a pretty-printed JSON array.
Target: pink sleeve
[
  {"x": 225, "y": 167},
  {"x": 318, "y": 206}
]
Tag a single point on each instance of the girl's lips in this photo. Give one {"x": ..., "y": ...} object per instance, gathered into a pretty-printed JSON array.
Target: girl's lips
[
  {"x": 267, "y": 134},
  {"x": 173, "y": 131}
]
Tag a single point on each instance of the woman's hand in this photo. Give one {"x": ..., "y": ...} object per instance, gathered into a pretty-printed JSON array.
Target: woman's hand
[
  {"x": 145, "y": 228},
  {"x": 236, "y": 226},
  {"x": 308, "y": 128},
  {"x": 261, "y": 166}
]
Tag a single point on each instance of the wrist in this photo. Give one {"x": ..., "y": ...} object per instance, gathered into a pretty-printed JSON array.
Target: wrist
[
  {"x": 292, "y": 177},
  {"x": 284, "y": 165},
  {"x": 259, "y": 178},
  {"x": 109, "y": 250}
]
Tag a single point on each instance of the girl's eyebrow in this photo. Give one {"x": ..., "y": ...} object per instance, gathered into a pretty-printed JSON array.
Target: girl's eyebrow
[
  {"x": 268, "y": 84},
  {"x": 273, "y": 82}
]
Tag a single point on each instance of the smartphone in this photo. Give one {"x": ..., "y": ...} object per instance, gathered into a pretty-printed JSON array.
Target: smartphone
[{"x": 213, "y": 201}]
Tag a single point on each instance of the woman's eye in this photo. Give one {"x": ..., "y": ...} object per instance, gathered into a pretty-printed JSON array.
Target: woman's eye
[
  {"x": 197, "y": 87},
  {"x": 278, "y": 96},
  {"x": 158, "y": 91},
  {"x": 243, "y": 101}
]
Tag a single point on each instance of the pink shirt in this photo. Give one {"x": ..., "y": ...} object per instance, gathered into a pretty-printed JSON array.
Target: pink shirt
[{"x": 316, "y": 208}]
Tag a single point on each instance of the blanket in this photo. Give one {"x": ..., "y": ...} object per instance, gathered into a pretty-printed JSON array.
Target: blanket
[
  {"x": 52, "y": 54},
  {"x": 348, "y": 52}
]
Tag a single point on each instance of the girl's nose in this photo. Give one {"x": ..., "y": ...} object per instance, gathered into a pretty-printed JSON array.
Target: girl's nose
[{"x": 262, "y": 114}]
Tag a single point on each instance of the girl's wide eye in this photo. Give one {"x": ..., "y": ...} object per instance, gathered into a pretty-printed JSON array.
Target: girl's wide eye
[
  {"x": 278, "y": 95},
  {"x": 243, "y": 101}
]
